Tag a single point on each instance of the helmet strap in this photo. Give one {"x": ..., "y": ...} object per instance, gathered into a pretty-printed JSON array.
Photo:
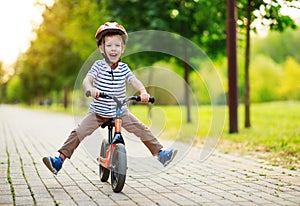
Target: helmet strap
[
  {"x": 114, "y": 64},
  {"x": 106, "y": 58}
]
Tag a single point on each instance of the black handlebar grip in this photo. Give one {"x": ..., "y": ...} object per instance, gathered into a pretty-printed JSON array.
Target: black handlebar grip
[
  {"x": 88, "y": 94},
  {"x": 102, "y": 95},
  {"x": 151, "y": 100}
]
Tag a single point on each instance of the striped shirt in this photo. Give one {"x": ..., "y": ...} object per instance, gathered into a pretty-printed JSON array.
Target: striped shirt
[{"x": 110, "y": 82}]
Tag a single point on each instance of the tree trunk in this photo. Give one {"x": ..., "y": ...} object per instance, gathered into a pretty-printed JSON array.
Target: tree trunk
[
  {"x": 186, "y": 85},
  {"x": 40, "y": 97},
  {"x": 247, "y": 62},
  {"x": 66, "y": 99},
  {"x": 232, "y": 67}
]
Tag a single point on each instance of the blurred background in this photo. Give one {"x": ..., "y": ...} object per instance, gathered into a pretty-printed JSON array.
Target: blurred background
[{"x": 44, "y": 44}]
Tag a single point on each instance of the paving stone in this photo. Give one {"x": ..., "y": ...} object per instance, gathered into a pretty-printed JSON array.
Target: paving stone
[
  {"x": 222, "y": 179},
  {"x": 6, "y": 199}
]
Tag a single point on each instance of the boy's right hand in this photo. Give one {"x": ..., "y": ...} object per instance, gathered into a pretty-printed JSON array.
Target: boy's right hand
[{"x": 95, "y": 93}]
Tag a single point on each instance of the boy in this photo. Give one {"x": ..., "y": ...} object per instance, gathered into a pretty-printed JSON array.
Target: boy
[{"x": 109, "y": 75}]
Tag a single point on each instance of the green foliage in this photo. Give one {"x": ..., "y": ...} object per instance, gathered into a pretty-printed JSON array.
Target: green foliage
[
  {"x": 278, "y": 45},
  {"x": 2, "y": 73},
  {"x": 266, "y": 13},
  {"x": 49, "y": 58},
  {"x": 270, "y": 81},
  {"x": 66, "y": 38},
  {"x": 265, "y": 78},
  {"x": 2, "y": 84},
  {"x": 85, "y": 18},
  {"x": 290, "y": 88},
  {"x": 62, "y": 43},
  {"x": 201, "y": 21},
  {"x": 14, "y": 89},
  {"x": 199, "y": 89}
]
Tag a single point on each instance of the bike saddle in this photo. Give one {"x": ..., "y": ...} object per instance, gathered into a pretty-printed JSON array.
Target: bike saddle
[{"x": 110, "y": 122}]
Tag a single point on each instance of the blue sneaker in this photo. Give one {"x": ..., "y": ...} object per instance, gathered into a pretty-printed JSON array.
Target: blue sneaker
[
  {"x": 54, "y": 164},
  {"x": 166, "y": 156}
]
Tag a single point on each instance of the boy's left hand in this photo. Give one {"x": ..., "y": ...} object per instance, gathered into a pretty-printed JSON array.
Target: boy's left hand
[{"x": 144, "y": 97}]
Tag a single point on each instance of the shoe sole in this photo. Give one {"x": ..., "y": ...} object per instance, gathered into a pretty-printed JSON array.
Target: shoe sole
[
  {"x": 168, "y": 162},
  {"x": 48, "y": 164}
]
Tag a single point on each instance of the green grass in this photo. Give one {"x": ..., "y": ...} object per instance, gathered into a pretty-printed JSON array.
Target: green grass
[
  {"x": 12, "y": 189},
  {"x": 169, "y": 122},
  {"x": 274, "y": 135}
]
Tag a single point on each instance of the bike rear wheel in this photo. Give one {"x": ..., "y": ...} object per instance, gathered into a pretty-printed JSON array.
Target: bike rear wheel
[
  {"x": 119, "y": 168},
  {"x": 103, "y": 172}
]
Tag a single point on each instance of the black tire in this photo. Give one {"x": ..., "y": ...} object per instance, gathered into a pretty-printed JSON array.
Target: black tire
[
  {"x": 119, "y": 168},
  {"x": 103, "y": 172}
]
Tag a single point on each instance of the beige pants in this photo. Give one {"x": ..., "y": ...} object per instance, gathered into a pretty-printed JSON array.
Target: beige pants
[{"x": 93, "y": 121}]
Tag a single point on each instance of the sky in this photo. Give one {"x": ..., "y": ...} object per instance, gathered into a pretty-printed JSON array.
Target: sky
[{"x": 18, "y": 18}]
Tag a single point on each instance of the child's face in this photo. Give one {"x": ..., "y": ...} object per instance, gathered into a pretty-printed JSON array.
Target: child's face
[{"x": 113, "y": 47}]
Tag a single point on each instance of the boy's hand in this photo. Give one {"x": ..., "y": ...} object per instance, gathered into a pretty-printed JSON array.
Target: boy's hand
[
  {"x": 144, "y": 97},
  {"x": 137, "y": 84},
  {"x": 95, "y": 93}
]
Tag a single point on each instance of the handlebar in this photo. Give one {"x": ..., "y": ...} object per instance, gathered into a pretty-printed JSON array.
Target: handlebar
[{"x": 109, "y": 96}]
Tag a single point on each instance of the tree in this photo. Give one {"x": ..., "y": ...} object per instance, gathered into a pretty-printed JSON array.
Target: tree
[
  {"x": 86, "y": 16},
  {"x": 59, "y": 49},
  {"x": 232, "y": 66},
  {"x": 2, "y": 82},
  {"x": 278, "y": 45},
  {"x": 266, "y": 77},
  {"x": 291, "y": 85},
  {"x": 201, "y": 21},
  {"x": 268, "y": 14},
  {"x": 14, "y": 88}
]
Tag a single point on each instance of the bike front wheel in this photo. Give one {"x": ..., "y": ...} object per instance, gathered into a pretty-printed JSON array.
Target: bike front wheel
[
  {"x": 103, "y": 172},
  {"x": 119, "y": 168}
]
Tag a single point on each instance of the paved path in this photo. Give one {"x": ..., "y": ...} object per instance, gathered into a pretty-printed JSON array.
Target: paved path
[{"x": 26, "y": 136}]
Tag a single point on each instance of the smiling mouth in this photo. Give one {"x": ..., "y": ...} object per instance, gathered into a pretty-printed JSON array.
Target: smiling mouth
[{"x": 113, "y": 55}]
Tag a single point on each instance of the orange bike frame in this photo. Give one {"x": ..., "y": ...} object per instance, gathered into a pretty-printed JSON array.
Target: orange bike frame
[{"x": 105, "y": 162}]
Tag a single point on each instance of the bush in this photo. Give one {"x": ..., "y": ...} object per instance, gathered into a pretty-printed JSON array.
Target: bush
[
  {"x": 14, "y": 90},
  {"x": 290, "y": 88},
  {"x": 265, "y": 79}
]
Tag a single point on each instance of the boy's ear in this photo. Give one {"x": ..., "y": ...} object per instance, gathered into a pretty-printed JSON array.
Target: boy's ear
[{"x": 101, "y": 47}]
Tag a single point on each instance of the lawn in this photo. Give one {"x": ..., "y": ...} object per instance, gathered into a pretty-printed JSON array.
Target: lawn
[{"x": 274, "y": 136}]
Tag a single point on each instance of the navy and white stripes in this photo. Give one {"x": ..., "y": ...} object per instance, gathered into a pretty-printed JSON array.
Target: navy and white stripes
[{"x": 111, "y": 82}]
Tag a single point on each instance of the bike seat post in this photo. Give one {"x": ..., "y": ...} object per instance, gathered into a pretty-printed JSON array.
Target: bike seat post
[{"x": 110, "y": 132}]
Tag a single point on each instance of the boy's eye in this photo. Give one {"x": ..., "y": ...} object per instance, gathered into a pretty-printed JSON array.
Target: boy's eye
[{"x": 115, "y": 45}]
